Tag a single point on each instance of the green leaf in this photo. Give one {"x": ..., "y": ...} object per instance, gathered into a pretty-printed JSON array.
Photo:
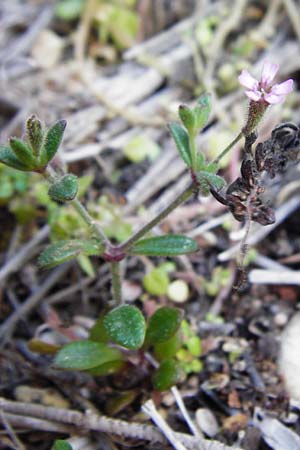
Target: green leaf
[
  {"x": 22, "y": 152},
  {"x": 182, "y": 142},
  {"x": 156, "y": 282},
  {"x": 98, "y": 333},
  {"x": 208, "y": 180},
  {"x": 202, "y": 111},
  {"x": 34, "y": 133},
  {"x": 168, "y": 374},
  {"x": 168, "y": 245},
  {"x": 65, "y": 189},
  {"x": 211, "y": 167},
  {"x": 66, "y": 250},
  {"x": 60, "y": 444},
  {"x": 163, "y": 324},
  {"x": 69, "y": 9},
  {"x": 126, "y": 326},
  {"x": 187, "y": 118},
  {"x": 107, "y": 368},
  {"x": 86, "y": 265},
  {"x": 200, "y": 161},
  {"x": 84, "y": 355},
  {"x": 8, "y": 158},
  {"x": 52, "y": 141},
  {"x": 169, "y": 348}
]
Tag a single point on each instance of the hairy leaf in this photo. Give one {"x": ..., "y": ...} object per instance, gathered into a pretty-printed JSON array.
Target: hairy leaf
[
  {"x": 52, "y": 141},
  {"x": 126, "y": 326},
  {"x": 84, "y": 355},
  {"x": 167, "y": 375},
  {"x": 8, "y": 158},
  {"x": 168, "y": 245},
  {"x": 182, "y": 142},
  {"x": 66, "y": 250},
  {"x": 64, "y": 189},
  {"x": 22, "y": 152},
  {"x": 34, "y": 133},
  {"x": 163, "y": 324}
]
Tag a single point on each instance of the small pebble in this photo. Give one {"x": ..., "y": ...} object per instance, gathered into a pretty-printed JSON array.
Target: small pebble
[
  {"x": 207, "y": 422},
  {"x": 280, "y": 319}
]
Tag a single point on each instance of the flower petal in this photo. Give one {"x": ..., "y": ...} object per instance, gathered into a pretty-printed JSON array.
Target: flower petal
[
  {"x": 274, "y": 99},
  {"x": 283, "y": 88},
  {"x": 268, "y": 73},
  {"x": 247, "y": 80},
  {"x": 254, "y": 95}
]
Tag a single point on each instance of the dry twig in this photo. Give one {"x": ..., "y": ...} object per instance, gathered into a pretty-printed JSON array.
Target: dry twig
[{"x": 34, "y": 415}]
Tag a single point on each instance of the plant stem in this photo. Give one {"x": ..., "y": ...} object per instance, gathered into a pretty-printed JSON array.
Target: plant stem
[
  {"x": 116, "y": 282},
  {"x": 84, "y": 214},
  {"x": 229, "y": 147},
  {"x": 193, "y": 150},
  {"x": 50, "y": 176},
  {"x": 165, "y": 212}
]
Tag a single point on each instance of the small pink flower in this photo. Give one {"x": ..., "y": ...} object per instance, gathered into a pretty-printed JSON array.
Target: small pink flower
[{"x": 264, "y": 90}]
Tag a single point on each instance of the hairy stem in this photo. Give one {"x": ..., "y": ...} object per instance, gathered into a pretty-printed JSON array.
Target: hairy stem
[
  {"x": 164, "y": 213},
  {"x": 229, "y": 147},
  {"x": 116, "y": 282},
  {"x": 84, "y": 214}
]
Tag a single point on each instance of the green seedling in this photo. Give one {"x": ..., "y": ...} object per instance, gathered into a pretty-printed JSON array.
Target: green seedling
[{"x": 122, "y": 338}]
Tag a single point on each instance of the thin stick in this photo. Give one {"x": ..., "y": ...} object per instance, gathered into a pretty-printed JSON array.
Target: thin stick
[
  {"x": 149, "y": 409},
  {"x": 196, "y": 432},
  {"x": 25, "y": 252},
  {"x": 55, "y": 417},
  {"x": 18, "y": 444},
  {"x": 31, "y": 302}
]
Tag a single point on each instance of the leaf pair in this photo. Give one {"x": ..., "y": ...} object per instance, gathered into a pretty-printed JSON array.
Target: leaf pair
[
  {"x": 125, "y": 326},
  {"x": 193, "y": 120},
  {"x": 38, "y": 148}
]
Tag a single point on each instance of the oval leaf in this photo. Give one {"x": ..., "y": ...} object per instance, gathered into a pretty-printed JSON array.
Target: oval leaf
[
  {"x": 84, "y": 355},
  {"x": 107, "y": 368},
  {"x": 168, "y": 374},
  {"x": 169, "y": 348},
  {"x": 65, "y": 250},
  {"x": 202, "y": 111},
  {"x": 126, "y": 326},
  {"x": 168, "y": 245},
  {"x": 52, "y": 141},
  {"x": 65, "y": 189},
  {"x": 187, "y": 117},
  {"x": 8, "y": 158},
  {"x": 163, "y": 324},
  {"x": 22, "y": 152},
  {"x": 182, "y": 142},
  {"x": 34, "y": 133}
]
